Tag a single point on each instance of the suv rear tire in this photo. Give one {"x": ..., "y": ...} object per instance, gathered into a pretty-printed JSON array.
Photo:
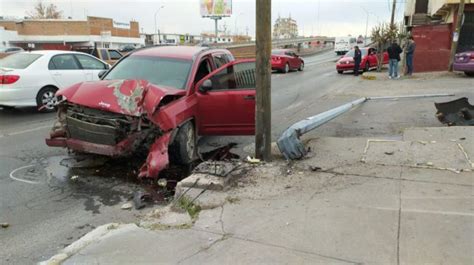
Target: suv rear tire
[{"x": 183, "y": 149}]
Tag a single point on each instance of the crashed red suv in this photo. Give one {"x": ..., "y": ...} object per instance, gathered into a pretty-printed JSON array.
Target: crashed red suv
[{"x": 158, "y": 100}]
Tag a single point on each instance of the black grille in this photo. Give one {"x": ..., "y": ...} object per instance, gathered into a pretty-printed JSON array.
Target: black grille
[{"x": 97, "y": 126}]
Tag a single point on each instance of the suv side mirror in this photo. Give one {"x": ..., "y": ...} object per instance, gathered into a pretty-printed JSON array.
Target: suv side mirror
[
  {"x": 206, "y": 86},
  {"x": 102, "y": 73}
]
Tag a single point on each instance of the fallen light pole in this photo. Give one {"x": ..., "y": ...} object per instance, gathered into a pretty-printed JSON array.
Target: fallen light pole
[{"x": 289, "y": 142}]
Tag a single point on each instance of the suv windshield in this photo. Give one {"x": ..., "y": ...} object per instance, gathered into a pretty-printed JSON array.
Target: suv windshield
[
  {"x": 351, "y": 53},
  {"x": 156, "y": 70},
  {"x": 19, "y": 60}
]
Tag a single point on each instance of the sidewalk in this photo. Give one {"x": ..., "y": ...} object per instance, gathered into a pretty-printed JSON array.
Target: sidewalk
[{"x": 353, "y": 200}]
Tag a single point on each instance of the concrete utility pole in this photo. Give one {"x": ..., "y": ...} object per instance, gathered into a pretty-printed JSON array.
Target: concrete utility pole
[
  {"x": 454, "y": 45},
  {"x": 263, "y": 117},
  {"x": 394, "y": 6}
]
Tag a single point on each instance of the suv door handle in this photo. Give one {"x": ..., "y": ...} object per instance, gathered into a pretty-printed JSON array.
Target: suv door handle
[{"x": 249, "y": 97}]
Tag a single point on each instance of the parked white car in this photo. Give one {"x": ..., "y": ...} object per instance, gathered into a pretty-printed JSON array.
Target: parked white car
[{"x": 32, "y": 78}]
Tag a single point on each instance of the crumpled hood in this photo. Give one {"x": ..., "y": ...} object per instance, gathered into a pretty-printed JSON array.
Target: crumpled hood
[{"x": 129, "y": 97}]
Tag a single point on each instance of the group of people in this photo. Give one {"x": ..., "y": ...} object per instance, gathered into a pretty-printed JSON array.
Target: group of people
[{"x": 394, "y": 52}]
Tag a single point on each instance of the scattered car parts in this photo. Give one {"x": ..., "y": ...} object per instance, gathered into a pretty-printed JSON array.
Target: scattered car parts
[{"x": 455, "y": 113}]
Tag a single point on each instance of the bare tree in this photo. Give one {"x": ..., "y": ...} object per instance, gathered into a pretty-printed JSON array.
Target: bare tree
[
  {"x": 382, "y": 35},
  {"x": 43, "y": 11}
]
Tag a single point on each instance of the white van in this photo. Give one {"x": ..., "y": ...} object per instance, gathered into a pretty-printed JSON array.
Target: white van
[{"x": 344, "y": 44}]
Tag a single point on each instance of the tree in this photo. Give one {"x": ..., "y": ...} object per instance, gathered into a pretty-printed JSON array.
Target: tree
[
  {"x": 382, "y": 35},
  {"x": 43, "y": 11}
]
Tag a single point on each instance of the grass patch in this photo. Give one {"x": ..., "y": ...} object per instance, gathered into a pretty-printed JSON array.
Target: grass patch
[{"x": 192, "y": 209}]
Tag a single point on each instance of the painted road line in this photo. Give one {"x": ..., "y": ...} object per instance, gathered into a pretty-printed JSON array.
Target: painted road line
[{"x": 25, "y": 131}]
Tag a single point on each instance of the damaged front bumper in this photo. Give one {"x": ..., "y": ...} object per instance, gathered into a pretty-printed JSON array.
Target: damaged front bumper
[{"x": 100, "y": 132}]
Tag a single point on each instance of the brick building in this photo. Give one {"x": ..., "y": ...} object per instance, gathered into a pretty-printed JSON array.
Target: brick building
[
  {"x": 432, "y": 24},
  {"x": 285, "y": 28},
  {"x": 65, "y": 33}
]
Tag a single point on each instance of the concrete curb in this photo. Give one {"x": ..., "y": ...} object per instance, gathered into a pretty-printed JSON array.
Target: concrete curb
[{"x": 89, "y": 238}]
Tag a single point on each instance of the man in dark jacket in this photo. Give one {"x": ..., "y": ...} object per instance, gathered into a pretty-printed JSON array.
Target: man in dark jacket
[
  {"x": 411, "y": 46},
  {"x": 394, "y": 52},
  {"x": 357, "y": 60}
]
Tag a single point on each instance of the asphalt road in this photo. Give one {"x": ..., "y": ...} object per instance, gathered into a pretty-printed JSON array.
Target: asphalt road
[{"x": 47, "y": 210}]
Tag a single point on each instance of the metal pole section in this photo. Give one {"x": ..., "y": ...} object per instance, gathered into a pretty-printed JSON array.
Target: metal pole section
[
  {"x": 263, "y": 80},
  {"x": 216, "y": 28},
  {"x": 454, "y": 45},
  {"x": 289, "y": 143},
  {"x": 392, "y": 19},
  {"x": 411, "y": 96}
]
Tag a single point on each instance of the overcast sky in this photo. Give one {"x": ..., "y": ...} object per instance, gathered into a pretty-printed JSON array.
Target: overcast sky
[{"x": 314, "y": 17}]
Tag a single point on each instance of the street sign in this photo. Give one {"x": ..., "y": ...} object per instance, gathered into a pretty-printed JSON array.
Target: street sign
[{"x": 216, "y": 8}]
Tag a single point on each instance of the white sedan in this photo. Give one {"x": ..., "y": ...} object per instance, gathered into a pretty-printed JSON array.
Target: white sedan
[{"x": 32, "y": 78}]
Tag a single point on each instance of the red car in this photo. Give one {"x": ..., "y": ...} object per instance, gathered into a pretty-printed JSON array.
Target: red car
[
  {"x": 158, "y": 100},
  {"x": 284, "y": 60},
  {"x": 369, "y": 60}
]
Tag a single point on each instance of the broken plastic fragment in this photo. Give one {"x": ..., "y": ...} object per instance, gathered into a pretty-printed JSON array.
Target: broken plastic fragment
[{"x": 252, "y": 160}]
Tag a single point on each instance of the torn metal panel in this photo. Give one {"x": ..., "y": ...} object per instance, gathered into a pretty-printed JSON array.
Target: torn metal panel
[
  {"x": 158, "y": 158},
  {"x": 455, "y": 113}
]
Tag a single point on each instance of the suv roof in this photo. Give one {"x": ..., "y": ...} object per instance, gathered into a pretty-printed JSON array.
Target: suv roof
[{"x": 182, "y": 52}]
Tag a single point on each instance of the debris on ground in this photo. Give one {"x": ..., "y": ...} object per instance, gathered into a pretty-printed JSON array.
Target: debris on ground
[
  {"x": 4, "y": 225},
  {"x": 75, "y": 177},
  {"x": 139, "y": 199},
  {"x": 315, "y": 168},
  {"x": 389, "y": 153},
  {"x": 455, "y": 113},
  {"x": 252, "y": 160},
  {"x": 126, "y": 206}
]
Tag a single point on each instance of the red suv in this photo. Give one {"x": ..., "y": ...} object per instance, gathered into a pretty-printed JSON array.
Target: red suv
[
  {"x": 369, "y": 60},
  {"x": 158, "y": 100}
]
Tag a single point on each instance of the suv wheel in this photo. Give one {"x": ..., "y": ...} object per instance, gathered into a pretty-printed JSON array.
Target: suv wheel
[{"x": 183, "y": 149}]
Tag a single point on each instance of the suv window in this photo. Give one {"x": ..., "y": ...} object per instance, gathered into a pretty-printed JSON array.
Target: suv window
[
  {"x": 104, "y": 55},
  {"x": 88, "y": 62},
  {"x": 114, "y": 55},
  {"x": 203, "y": 70},
  {"x": 237, "y": 76},
  {"x": 220, "y": 59},
  {"x": 63, "y": 62}
]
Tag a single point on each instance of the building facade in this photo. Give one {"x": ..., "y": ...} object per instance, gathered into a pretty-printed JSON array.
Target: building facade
[
  {"x": 64, "y": 34},
  {"x": 285, "y": 28},
  {"x": 432, "y": 25}
]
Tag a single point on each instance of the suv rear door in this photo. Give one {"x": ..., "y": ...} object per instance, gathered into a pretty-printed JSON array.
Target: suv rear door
[{"x": 228, "y": 107}]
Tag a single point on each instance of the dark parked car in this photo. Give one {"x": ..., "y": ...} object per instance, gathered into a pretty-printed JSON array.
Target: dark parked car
[{"x": 464, "y": 62}]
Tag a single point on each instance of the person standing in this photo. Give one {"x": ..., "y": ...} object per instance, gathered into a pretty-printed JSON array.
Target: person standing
[
  {"x": 411, "y": 46},
  {"x": 357, "y": 60},
  {"x": 394, "y": 52}
]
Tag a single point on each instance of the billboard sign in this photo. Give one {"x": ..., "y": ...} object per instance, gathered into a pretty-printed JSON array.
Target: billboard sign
[{"x": 216, "y": 8}]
